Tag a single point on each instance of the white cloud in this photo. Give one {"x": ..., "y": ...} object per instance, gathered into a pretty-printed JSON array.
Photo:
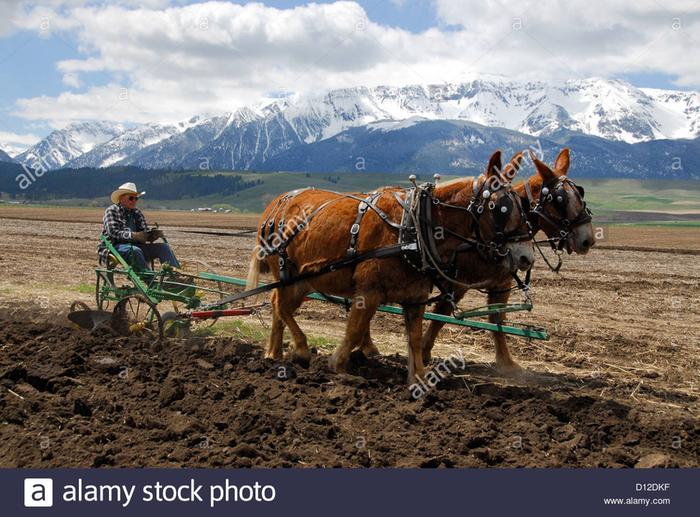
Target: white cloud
[
  {"x": 588, "y": 37},
  {"x": 14, "y": 143},
  {"x": 71, "y": 79},
  {"x": 14, "y": 11},
  {"x": 10, "y": 9},
  {"x": 216, "y": 56}
]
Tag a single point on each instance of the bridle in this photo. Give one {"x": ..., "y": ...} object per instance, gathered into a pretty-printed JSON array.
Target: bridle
[
  {"x": 419, "y": 208},
  {"x": 554, "y": 193},
  {"x": 496, "y": 248}
]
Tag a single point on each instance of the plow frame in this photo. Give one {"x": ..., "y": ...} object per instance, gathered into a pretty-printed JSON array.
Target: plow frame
[
  {"x": 527, "y": 331},
  {"x": 167, "y": 284}
]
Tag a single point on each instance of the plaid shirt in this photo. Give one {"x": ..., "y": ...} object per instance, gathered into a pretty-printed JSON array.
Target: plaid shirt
[{"x": 117, "y": 225}]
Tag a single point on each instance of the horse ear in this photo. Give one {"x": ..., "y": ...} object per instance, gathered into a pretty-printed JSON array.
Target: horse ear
[
  {"x": 495, "y": 165},
  {"x": 561, "y": 165},
  {"x": 541, "y": 167},
  {"x": 513, "y": 166}
]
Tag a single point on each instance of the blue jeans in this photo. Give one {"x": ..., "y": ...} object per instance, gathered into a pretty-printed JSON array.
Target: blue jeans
[{"x": 140, "y": 256}]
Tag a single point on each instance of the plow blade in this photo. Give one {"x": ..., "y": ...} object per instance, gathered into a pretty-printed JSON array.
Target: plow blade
[{"x": 89, "y": 320}]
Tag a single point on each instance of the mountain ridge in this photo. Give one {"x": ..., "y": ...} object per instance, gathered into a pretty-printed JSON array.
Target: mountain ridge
[{"x": 255, "y": 137}]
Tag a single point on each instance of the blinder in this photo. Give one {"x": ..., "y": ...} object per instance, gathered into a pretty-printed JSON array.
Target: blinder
[
  {"x": 502, "y": 211},
  {"x": 555, "y": 193}
]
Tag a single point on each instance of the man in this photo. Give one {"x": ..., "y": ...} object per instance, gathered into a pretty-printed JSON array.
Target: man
[{"x": 125, "y": 227}]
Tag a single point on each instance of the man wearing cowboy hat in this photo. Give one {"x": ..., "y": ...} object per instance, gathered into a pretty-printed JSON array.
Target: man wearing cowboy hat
[{"x": 125, "y": 227}]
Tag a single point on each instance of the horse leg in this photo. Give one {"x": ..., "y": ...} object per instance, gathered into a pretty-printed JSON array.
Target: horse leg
[
  {"x": 413, "y": 318},
  {"x": 274, "y": 344},
  {"x": 291, "y": 299},
  {"x": 434, "y": 327},
  {"x": 356, "y": 331},
  {"x": 368, "y": 348},
  {"x": 505, "y": 364}
]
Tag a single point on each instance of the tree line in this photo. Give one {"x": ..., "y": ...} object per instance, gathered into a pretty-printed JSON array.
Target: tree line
[{"x": 89, "y": 183}]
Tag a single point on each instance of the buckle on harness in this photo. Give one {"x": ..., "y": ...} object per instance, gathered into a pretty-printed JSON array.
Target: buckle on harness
[{"x": 354, "y": 229}]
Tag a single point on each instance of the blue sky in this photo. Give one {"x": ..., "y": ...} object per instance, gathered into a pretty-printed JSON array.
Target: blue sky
[{"x": 62, "y": 61}]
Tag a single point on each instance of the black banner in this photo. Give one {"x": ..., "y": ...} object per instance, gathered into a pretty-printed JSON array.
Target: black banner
[{"x": 345, "y": 492}]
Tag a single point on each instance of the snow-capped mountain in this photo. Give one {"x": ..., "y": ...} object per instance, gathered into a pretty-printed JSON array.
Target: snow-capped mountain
[
  {"x": 169, "y": 152},
  {"x": 613, "y": 110},
  {"x": 425, "y": 146},
  {"x": 64, "y": 145},
  {"x": 124, "y": 145},
  {"x": 251, "y": 137}
]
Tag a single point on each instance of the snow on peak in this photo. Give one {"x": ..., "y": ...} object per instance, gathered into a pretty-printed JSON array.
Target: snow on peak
[
  {"x": 611, "y": 109},
  {"x": 394, "y": 125}
]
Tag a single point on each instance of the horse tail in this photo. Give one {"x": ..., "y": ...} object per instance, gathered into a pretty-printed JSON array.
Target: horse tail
[{"x": 257, "y": 265}]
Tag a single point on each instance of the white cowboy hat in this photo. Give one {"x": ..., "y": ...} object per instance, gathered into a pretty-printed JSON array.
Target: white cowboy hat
[{"x": 126, "y": 188}]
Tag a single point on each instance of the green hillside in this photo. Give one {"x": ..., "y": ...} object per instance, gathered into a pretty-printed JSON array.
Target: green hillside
[{"x": 610, "y": 199}]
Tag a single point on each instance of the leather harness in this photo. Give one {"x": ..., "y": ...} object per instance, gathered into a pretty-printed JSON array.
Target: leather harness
[{"x": 416, "y": 240}]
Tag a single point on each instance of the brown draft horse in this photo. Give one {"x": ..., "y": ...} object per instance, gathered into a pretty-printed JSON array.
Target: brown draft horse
[
  {"x": 562, "y": 200},
  {"x": 320, "y": 223}
]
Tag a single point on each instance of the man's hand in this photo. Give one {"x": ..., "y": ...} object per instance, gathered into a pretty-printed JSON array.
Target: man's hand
[
  {"x": 139, "y": 237},
  {"x": 155, "y": 234}
]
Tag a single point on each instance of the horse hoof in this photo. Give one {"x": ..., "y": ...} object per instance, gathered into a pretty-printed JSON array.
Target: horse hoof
[
  {"x": 335, "y": 364},
  {"x": 370, "y": 352},
  {"x": 301, "y": 360},
  {"x": 415, "y": 380},
  {"x": 511, "y": 369}
]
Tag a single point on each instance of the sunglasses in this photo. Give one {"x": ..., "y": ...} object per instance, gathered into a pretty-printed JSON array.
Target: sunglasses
[{"x": 133, "y": 198}]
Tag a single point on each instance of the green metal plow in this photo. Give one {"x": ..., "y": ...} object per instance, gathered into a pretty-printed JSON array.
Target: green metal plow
[
  {"x": 514, "y": 329},
  {"x": 130, "y": 301}
]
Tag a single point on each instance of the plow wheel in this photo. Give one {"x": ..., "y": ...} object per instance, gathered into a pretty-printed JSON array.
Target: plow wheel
[{"x": 135, "y": 315}]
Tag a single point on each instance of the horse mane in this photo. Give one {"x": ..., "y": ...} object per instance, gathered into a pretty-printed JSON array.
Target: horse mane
[
  {"x": 535, "y": 182},
  {"x": 458, "y": 191}
]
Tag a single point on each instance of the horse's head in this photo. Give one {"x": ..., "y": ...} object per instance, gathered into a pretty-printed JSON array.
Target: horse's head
[
  {"x": 500, "y": 220},
  {"x": 557, "y": 206}
]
